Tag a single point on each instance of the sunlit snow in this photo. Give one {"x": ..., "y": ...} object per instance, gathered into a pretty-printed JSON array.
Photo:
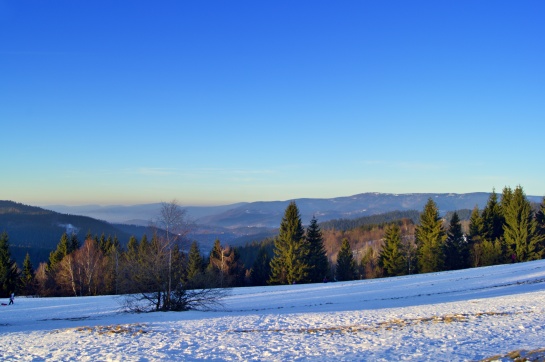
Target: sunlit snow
[{"x": 452, "y": 316}]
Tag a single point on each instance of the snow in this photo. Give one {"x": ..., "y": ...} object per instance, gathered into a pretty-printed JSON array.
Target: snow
[{"x": 452, "y": 316}]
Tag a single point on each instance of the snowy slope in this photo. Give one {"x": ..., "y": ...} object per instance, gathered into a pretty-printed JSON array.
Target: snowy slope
[{"x": 453, "y": 316}]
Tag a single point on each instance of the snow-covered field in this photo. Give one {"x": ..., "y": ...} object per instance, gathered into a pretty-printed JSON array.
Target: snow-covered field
[{"x": 453, "y": 316}]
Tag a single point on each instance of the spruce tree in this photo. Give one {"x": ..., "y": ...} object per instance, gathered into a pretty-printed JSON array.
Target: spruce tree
[
  {"x": 289, "y": 264},
  {"x": 392, "y": 256},
  {"x": 56, "y": 256},
  {"x": 540, "y": 219},
  {"x": 456, "y": 249},
  {"x": 346, "y": 265},
  {"x": 261, "y": 269},
  {"x": 319, "y": 265},
  {"x": 215, "y": 258},
  {"x": 74, "y": 243},
  {"x": 8, "y": 268},
  {"x": 179, "y": 265},
  {"x": 476, "y": 226},
  {"x": 430, "y": 237},
  {"x": 27, "y": 276},
  {"x": 493, "y": 218},
  {"x": 132, "y": 247},
  {"x": 521, "y": 228},
  {"x": 105, "y": 243},
  {"x": 194, "y": 263},
  {"x": 143, "y": 249}
]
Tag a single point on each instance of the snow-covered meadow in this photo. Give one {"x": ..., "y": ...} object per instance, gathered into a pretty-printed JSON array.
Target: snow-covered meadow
[{"x": 452, "y": 316}]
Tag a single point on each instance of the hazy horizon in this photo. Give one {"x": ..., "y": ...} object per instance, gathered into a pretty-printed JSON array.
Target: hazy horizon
[{"x": 185, "y": 204}]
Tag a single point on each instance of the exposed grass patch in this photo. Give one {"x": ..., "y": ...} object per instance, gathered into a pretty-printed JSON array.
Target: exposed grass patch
[
  {"x": 536, "y": 355},
  {"x": 132, "y": 329},
  {"x": 392, "y": 324}
]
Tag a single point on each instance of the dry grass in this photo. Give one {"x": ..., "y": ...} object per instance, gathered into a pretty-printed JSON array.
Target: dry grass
[
  {"x": 536, "y": 355},
  {"x": 132, "y": 329},
  {"x": 393, "y": 324}
]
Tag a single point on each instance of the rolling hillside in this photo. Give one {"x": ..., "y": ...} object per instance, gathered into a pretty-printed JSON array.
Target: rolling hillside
[{"x": 38, "y": 231}]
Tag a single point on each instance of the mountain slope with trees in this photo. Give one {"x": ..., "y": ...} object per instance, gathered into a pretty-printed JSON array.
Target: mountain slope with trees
[{"x": 37, "y": 231}]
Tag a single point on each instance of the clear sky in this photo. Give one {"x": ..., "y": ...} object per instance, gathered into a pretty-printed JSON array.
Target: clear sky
[{"x": 213, "y": 102}]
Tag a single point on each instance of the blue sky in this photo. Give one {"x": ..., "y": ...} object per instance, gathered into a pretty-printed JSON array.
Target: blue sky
[{"x": 213, "y": 102}]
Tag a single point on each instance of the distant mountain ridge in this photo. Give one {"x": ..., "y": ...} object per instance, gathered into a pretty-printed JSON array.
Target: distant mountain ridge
[{"x": 268, "y": 214}]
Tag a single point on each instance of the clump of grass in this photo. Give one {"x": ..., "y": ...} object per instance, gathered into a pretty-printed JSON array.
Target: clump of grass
[
  {"x": 133, "y": 329},
  {"x": 519, "y": 355}
]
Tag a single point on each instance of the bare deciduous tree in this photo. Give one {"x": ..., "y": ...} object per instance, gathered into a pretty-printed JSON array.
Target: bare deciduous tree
[{"x": 154, "y": 276}]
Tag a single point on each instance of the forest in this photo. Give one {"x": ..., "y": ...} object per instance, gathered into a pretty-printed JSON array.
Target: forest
[{"x": 166, "y": 267}]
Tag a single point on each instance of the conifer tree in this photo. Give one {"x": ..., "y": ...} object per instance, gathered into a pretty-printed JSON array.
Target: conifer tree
[
  {"x": 74, "y": 243},
  {"x": 346, "y": 265},
  {"x": 101, "y": 242},
  {"x": 392, "y": 256},
  {"x": 488, "y": 252},
  {"x": 105, "y": 243},
  {"x": 63, "y": 249},
  {"x": 179, "y": 265},
  {"x": 27, "y": 276},
  {"x": 492, "y": 217},
  {"x": 430, "y": 237},
  {"x": 476, "y": 226},
  {"x": 475, "y": 237},
  {"x": 132, "y": 247},
  {"x": 216, "y": 258},
  {"x": 318, "y": 263},
  {"x": 521, "y": 228},
  {"x": 130, "y": 263},
  {"x": 289, "y": 264},
  {"x": 8, "y": 268},
  {"x": 194, "y": 263},
  {"x": 456, "y": 249},
  {"x": 540, "y": 219},
  {"x": 143, "y": 249},
  {"x": 110, "y": 266},
  {"x": 261, "y": 269}
]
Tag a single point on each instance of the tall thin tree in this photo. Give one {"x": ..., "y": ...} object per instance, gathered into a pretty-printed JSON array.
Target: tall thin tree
[
  {"x": 492, "y": 217},
  {"x": 346, "y": 265},
  {"x": 289, "y": 264},
  {"x": 455, "y": 248},
  {"x": 317, "y": 260},
  {"x": 392, "y": 256},
  {"x": 430, "y": 236},
  {"x": 8, "y": 268}
]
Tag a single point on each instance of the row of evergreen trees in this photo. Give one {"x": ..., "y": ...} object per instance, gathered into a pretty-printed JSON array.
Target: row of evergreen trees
[
  {"x": 505, "y": 231},
  {"x": 300, "y": 257}
]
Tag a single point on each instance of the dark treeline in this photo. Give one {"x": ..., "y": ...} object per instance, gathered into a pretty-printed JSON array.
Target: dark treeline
[
  {"x": 508, "y": 229},
  {"x": 368, "y": 222}
]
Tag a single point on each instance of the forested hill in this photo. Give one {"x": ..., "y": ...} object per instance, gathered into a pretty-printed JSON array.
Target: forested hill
[
  {"x": 373, "y": 220},
  {"x": 38, "y": 231}
]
